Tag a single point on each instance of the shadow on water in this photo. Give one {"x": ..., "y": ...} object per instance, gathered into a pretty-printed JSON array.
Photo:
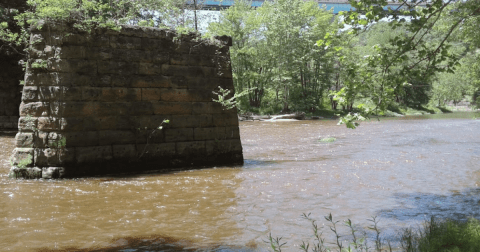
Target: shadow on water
[
  {"x": 457, "y": 205},
  {"x": 152, "y": 243}
]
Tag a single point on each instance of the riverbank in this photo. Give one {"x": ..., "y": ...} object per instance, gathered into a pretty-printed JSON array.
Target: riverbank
[{"x": 329, "y": 114}]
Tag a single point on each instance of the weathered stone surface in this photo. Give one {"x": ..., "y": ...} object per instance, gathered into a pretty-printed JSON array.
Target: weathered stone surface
[
  {"x": 24, "y": 140},
  {"x": 168, "y": 108},
  {"x": 93, "y": 154},
  {"x": 155, "y": 150},
  {"x": 27, "y": 173},
  {"x": 99, "y": 105},
  {"x": 190, "y": 121},
  {"x": 116, "y": 137},
  {"x": 46, "y": 157},
  {"x": 53, "y": 172},
  {"x": 179, "y": 135},
  {"x": 34, "y": 109},
  {"x": 118, "y": 67},
  {"x": 23, "y": 156},
  {"x": 222, "y": 120},
  {"x": 125, "y": 42},
  {"x": 217, "y": 147},
  {"x": 188, "y": 149},
  {"x": 126, "y": 151},
  {"x": 209, "y": 133}
]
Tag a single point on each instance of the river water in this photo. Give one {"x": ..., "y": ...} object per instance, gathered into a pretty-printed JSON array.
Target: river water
[{"x": 400, "y": 170}]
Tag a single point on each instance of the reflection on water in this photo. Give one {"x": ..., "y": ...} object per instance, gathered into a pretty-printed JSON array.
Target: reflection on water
[{"x": 401, "y": 170}]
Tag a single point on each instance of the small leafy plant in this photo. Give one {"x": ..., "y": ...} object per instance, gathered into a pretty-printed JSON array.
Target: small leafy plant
[
  {"x": 327, "y": 140},
  {"x": 160, "y": 127}
]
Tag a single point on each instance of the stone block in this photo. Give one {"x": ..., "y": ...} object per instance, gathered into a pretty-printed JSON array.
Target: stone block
[
  {"x": 73, "y": 66},
  {"x": 132, "y": 31},
  {"x": 115, "y": 108},
  {"x": 24, "y": 140},
  {"x": 209, "y": 133},
  {"x": 99, "y": 53},
  {"x": 184, "y": 95},
  {"x": 172, "y": 108},
  {"x": 49, "y": 123},
  {"x": 150, "y": 69},
  {"x": 71, "y": 124},
  {"x": 71, "y": 52},
  {"x": 55, "y": 93},
  {"x": 125, "y": 123},
  {"x": 66, "y": 156},
  {"x": 26, "y": 173},
  {"x": 23, "y": 156},
  {"x": 143, "y": 108},
  {"x": 29, "y": 94},
  {"x": 192, "y": 60},
  {"x": 190, "y": 121},
  {"x": 150, "y": 122},
  {"x": 74, "y": 109},
  {"x": 53, "y": 172},
  {"x": 152, "y": 44},
  {"x": 141, "y": 81},
  {"x": 125, "y": 42},
  {"x": 34, "y": 109},
  {"x": 104, "y": 123},
  {"x": 40, "y": 139},
  {"x": 232, "y": 132},
  {"x": 118, "y": 67},
  {"x": 80, "y": 139},
  {"x": 128, "y": 55},
  {"x": 224, "y": 120},
  {"x": 118, "y": 94},
  {"x": 91, "y": 93},
  {"x": 218, "y": 147},
  {"x": 109, "y": 137},
  {"x": 159, "y": 57},
  {"x": 96, "y": 154},
  {"x": 179, "y": 82},
  {"x": 155, "y": 150},
  {"x": 126, "y": 151},
  {"x": 56, "y": 140},
  {"x": 90, "y": 123},
  {"x": 66, "y": 79},
  {"x": 46, "y": 157},
  {"x": 192, "y": 71},
  {"x": 190, "y": 149},
  {"x": 149, "y": 136},
  {"x": 208, "y": 108},
  {"x": 27, "y": 124},
  {"x": 76, "y": 39},
  {"x": 152, "y": 94},
  {"x": 179, "y": 135}
]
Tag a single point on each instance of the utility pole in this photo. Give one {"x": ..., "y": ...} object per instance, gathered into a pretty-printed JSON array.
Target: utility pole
[{"x": 195, "y": 13}]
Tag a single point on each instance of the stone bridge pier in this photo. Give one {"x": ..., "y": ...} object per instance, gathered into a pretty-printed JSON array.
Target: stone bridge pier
[{"x": 96, "y": 103}]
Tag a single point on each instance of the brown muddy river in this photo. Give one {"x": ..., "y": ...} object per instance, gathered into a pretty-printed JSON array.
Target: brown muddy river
[{"x": 401, "y": 170}]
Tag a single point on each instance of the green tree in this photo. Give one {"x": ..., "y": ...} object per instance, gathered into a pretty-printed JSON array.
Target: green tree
[{"x": 274, "y": 52}]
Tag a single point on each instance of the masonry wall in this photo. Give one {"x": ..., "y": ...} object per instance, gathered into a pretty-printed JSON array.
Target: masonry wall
[
  {"x": 94, "y": 103},
  {"x": 10, "y": 90}
]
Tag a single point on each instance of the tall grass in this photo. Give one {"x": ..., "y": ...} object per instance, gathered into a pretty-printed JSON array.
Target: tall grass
[{"x": 435, "y": 235}]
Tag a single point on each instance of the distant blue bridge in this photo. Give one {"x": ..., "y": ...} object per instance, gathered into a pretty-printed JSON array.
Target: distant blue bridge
[{"x": 336, "y": 5}]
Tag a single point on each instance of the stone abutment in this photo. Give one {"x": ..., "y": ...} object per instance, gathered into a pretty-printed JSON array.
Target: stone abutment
[{"x": 96, "y": 103}]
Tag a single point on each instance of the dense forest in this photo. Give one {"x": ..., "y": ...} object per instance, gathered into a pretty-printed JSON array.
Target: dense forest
[{"x": 294, "y": 55}]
